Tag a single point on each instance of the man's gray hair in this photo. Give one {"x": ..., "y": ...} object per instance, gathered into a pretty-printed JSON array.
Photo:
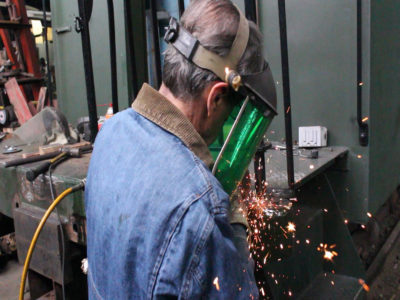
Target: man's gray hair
[{"x": 214, "y": 23}]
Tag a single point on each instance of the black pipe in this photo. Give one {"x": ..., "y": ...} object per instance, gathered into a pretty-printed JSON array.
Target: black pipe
[
  {"x": 363, "y": 127},
  {"x": 46, "y": 42},
  {"x": 181, "y": 6},
  {"x": 88, "y": 66},
  {"x": 113, "y": 55},
  {"x": 130, "y": 48},
  {"x": 286, "y": 92},
  {"x": 156, "y": 42}
]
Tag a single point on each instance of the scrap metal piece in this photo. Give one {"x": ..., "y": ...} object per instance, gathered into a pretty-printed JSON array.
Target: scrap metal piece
[
  {"x": 11, "y": 149},
  {"x": 8, "y": 244}
]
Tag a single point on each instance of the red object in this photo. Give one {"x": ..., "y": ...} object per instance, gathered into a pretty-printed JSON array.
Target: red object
[
  {"x": 30, "y": 60},
  {"x": 18, "y": 100}
]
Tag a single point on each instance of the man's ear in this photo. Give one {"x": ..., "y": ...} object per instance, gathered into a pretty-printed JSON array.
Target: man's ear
[{"x": 218, "y": 89}]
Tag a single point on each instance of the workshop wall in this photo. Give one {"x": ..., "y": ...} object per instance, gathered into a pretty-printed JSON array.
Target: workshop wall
[
  {"x": 71, "y": 89},
  {"x": 322, "y": 42}
]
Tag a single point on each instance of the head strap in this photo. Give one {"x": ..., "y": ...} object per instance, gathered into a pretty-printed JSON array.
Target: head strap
[{"x": 191, "y": 48}]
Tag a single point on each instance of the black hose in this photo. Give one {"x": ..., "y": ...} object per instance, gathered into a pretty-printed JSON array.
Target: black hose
[
  {"x": 286, "y": 92},
  {"x": 88, "y": 66},
  {"x": 46, "y": 42},
  {"x": 113, "y": 55}
]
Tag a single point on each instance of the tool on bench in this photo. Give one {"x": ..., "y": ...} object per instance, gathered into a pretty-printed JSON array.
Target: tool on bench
[
  {"x": 42, "y": 168},
  {"x": 34, "y": 157}
]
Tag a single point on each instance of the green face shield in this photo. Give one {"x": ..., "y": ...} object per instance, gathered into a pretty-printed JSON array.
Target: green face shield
[{"x": 254, "y": 114}]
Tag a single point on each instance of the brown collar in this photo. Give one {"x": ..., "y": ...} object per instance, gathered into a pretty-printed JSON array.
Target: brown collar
[{"x": 155, "y": 107}]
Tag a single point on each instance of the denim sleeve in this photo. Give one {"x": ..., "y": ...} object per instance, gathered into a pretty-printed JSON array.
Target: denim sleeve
[{"x": 225, "y": 270}]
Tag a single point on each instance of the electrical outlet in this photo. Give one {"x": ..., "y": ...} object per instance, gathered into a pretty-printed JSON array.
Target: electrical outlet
[{"x": 313, "y": 136}]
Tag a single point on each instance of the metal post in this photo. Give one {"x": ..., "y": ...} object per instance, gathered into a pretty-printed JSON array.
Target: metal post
[
  {"x": 363, "y": 127},
  {"x": 130, "y": 49},
  {"x": 181, "y": 6},
  {"x": 46, "y": 42},
  {"x": 259, "y": 157},
  {"x": 286, "y": 92},
  {"x": 156, "y": 42},
  {"x": 113, "y": 55},
  {"x": 88, "y": 66}
]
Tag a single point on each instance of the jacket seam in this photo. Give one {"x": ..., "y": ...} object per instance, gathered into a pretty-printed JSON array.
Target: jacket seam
[
  {"x": 164, "y": 247},
  {"x": 90, "y": 278},
  {"x": 195, "y": 258}
]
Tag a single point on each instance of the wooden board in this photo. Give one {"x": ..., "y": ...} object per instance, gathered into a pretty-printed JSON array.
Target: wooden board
[
  {"x": 42, "y": 98},
  {"x": 18, "y": 100}
]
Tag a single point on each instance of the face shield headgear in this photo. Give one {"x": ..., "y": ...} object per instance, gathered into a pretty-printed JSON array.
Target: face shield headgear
[{"x": 258, "y": 90}]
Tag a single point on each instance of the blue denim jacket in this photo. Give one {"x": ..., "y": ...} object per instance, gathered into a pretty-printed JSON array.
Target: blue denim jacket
[{"x": 157, "y": 219}]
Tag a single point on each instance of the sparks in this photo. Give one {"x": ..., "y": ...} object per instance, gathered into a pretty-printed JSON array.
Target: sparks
[
  {"x": 311, "y": 167},
  {"x": 363, "y": 226},
  {"x": 369, "y": 215},
  {"x": 262, "y": 291},
  {"x": 216, "y": 283},
  {"x": 359, "y": 156},
  {"x": 291, "y": 227},
  {"x": 290, "y": 293},
  {"x": 365, "y": 119},
  {"x": 346, "y": 221},
  {"x": 307, "y": 241},
  {"x": 329, "y": 254},
  {"x": 364, "y": 285}
]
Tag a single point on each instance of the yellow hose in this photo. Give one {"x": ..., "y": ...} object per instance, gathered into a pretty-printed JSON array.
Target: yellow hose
[{"x": 36, "y": 236}]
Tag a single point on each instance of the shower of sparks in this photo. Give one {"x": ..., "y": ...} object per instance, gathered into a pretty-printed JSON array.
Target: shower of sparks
[
  {"x": 363, "y": 226},
  {"x": 361, "y": 83},
  {"x": 359, "y": 156},
  {"x": 365, "y": 119},
  {"x": 364, "y": 285},
  {"x": 329, "y": 254},
  {"x": 346, "y": 221},
  {"x": 311, "y": 167},
  {"x": 216, "y": 283},
  {"x": 307, "y": 241},
  {"x": 288, "y": 109},
  {"x": 268, "y": 236},
  {"x": 291, "y": 227},
  {"x": 369, "y": 215},
  {"x": 290, "y": 293}
]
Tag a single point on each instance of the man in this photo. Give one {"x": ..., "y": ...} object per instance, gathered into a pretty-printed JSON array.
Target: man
[{"x": 158, "y": 222}]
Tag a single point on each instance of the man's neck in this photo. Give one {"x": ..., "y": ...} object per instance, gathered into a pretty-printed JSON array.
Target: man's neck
[{"x": 193, "y": 110}]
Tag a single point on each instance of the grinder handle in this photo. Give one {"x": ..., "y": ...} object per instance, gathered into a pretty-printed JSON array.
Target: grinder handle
[{"x": 35, "y": 172}]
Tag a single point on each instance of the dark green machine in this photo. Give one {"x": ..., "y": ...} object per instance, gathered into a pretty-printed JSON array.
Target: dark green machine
[{"x": 346, "y": 181}]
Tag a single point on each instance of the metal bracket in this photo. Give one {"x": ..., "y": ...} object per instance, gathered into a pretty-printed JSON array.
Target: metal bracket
[
  {"x": 78, "y": 24},
  {"x": 63, "y": 29}
]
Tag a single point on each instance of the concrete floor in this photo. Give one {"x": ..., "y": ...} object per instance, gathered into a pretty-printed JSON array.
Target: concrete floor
[
  {"x": 387, "y": 284},
  {"x": 10, "y": 276}
]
